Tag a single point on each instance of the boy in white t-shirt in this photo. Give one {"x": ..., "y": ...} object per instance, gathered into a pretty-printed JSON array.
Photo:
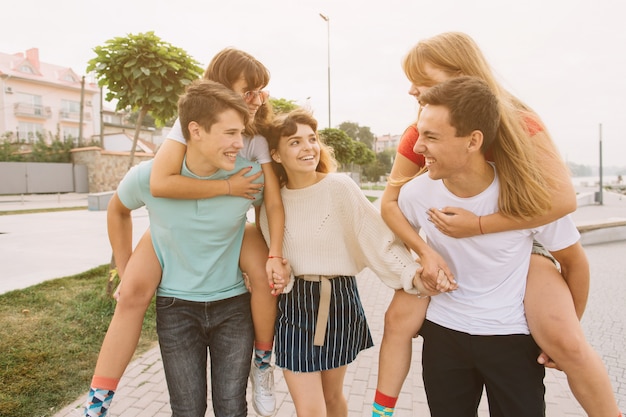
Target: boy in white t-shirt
[{"x": 476, "y": 336}]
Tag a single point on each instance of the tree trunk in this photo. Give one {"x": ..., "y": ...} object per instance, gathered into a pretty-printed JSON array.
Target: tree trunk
[{"x": 142, "y": 114}]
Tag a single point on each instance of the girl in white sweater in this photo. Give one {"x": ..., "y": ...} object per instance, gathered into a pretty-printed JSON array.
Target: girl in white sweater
[{"x": 331, "y": 233}]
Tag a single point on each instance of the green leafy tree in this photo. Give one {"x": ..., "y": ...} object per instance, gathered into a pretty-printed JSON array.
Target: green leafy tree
[
  {"x": 145, "y": 74},
  {"x": 358, "y": 133},
  {"x": 374, "y": 171},
  {"x": 362, "y": 154},
  {"x": 341, "y": 144},
  {"x": 381, "y": 166},
  {"x": 282, "y": 105}
]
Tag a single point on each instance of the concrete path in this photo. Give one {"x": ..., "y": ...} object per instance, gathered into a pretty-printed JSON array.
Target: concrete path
[{"x": 66, "y": 243}]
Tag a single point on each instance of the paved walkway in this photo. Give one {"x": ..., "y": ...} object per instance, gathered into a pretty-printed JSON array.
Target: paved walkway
[{"x": 142, "y": 391}]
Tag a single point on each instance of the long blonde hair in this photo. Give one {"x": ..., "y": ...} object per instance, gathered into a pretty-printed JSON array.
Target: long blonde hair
[
  {"x": 524, "y": 185},
  {"x": 286, "y": 125}
]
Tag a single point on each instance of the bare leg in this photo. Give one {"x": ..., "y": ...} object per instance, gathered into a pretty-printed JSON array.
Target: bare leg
[
  {"x": 403, "y": 319},
  {"x": 141, "y": 278},
  {"x": 555, "y": 326},
  {"x": 252, "y": 261},
  {"x": 307, "y": 393},
  {"x": 332, "y": 384},
  {"x": 318, "y": 394}
]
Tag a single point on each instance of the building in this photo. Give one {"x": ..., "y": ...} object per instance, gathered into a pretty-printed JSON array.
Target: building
[
  {"x": 384, "y": 142},
  {"x": 38, "y": 99}
]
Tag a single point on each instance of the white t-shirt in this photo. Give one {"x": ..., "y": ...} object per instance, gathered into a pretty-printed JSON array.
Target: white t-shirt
[
  {"x": 254, "y": 149},
  {"x": 491, "y": 269}
]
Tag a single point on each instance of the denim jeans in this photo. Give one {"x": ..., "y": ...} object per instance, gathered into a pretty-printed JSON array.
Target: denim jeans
[{"x": 186, "y": 329}]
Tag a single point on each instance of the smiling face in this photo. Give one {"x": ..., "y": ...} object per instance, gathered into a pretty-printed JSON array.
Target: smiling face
[
  {"x": 299, "y": 153},
  {"x": 217, "y": 148},
  {"x": 445, "y": 153}
]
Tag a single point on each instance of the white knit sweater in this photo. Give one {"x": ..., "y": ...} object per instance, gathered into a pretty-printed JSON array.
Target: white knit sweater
[{"x": 331, "y": 228}]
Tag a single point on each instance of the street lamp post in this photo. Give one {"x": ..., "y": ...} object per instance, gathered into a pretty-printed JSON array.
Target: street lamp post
[
  {"x": 599, "y": 199},
  {"x": 327, "y": 20}
]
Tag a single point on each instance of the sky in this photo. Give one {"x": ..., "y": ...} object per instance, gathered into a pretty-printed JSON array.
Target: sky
[{"x": 564, "y": 58}]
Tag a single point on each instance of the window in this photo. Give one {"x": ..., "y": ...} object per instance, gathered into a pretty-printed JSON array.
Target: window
[
  {"x": 70, "y": 106},
  {"x": 69, "y": 77},
  {"x": 29, "y": 132},
  {"x": 70, "y": 109},
  {"x": 71, "y": 134},
  {"x": 31, "y": 102},
  {"x": 27, "y": 69}
]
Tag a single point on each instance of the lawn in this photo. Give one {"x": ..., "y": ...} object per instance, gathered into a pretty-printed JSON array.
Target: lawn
[{"x": 50, "y": 336}]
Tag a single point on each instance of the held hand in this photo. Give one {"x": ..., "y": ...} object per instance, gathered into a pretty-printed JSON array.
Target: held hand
[
  {"x": 435, "y": 274},
  {"x": 242, "y": 186},
  {"x": 454, "y": 221},
  {"x": 278, "y": 273},
  {"x": 422, "y": 290}
]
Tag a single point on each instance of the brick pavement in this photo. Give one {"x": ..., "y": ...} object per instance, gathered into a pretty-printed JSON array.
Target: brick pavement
[{"x": 143, "y": 392}]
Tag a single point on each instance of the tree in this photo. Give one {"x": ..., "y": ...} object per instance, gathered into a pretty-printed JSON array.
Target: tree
[
  {"x": 282, "y": 105},
  {"x": 341, "y": 144},
  {"x": 362, "y": 154},
  {"x": 358, "y": 133},
  {"x": 145, "y": 74},
  {"x": 381, "y": 166}
]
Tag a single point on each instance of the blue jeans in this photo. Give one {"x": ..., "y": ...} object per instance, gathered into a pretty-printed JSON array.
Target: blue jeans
[{"x": 186, "y": 329}]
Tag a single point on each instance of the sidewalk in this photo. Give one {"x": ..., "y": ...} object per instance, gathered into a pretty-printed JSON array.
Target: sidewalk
[{"x": 142, "y": 391}]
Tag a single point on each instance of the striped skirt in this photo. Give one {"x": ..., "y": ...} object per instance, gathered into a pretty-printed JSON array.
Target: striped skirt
[{"x": 347, "y": 332}]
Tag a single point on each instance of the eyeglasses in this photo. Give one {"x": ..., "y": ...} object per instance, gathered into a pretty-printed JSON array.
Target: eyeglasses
[{"x": 252, "y": 95}]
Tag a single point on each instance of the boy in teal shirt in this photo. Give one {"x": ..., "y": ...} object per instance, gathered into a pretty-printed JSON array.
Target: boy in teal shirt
[{"x": 202, "y": 302}]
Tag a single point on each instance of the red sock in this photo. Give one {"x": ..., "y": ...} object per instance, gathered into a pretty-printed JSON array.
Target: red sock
[
  {"x": 264, "y": 346},
  {"x": 385, "y": 400},
  {"x": 102, "y": 382}
]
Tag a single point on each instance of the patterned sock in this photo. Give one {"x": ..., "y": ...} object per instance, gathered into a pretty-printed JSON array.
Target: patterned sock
[
  {"x": 262, "y": 354},
  {"x": 100, "y": 396},
  {"x": 383, "y": 405}
]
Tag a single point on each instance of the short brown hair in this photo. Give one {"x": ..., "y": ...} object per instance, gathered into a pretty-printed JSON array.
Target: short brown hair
[
  {"x": 204, "y": 101},
  {"x": 472, "y": 106}
]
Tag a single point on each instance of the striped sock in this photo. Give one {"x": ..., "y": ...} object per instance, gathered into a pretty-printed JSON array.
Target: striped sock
[
  {"x": 100, "y": 396},
  {"x": 383, "y": 405},
  {"x": 262, "y": 354}
]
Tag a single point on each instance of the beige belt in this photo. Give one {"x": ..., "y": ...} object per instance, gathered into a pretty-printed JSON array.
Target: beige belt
[{"x": 324, "y": 305}]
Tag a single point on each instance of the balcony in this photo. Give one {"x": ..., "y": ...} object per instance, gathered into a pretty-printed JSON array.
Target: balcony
[
  {"x": 32, "y": 110},
  {"x": 72, "y": 116}
]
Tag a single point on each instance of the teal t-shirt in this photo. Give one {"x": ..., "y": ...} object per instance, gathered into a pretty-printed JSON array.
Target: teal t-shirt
[{"x": 198, "y": 242}]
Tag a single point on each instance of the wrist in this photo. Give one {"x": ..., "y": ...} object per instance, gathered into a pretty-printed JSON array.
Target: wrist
[
  {"x": 480, "y": 225},
  {"x": 419, "y": 292}
]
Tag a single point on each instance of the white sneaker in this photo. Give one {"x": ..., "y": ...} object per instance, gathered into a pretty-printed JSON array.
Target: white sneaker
[{"x": 263, "y": 399}]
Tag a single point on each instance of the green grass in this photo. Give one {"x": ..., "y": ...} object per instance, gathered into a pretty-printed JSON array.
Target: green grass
[{"x": 50, "y": 336}]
